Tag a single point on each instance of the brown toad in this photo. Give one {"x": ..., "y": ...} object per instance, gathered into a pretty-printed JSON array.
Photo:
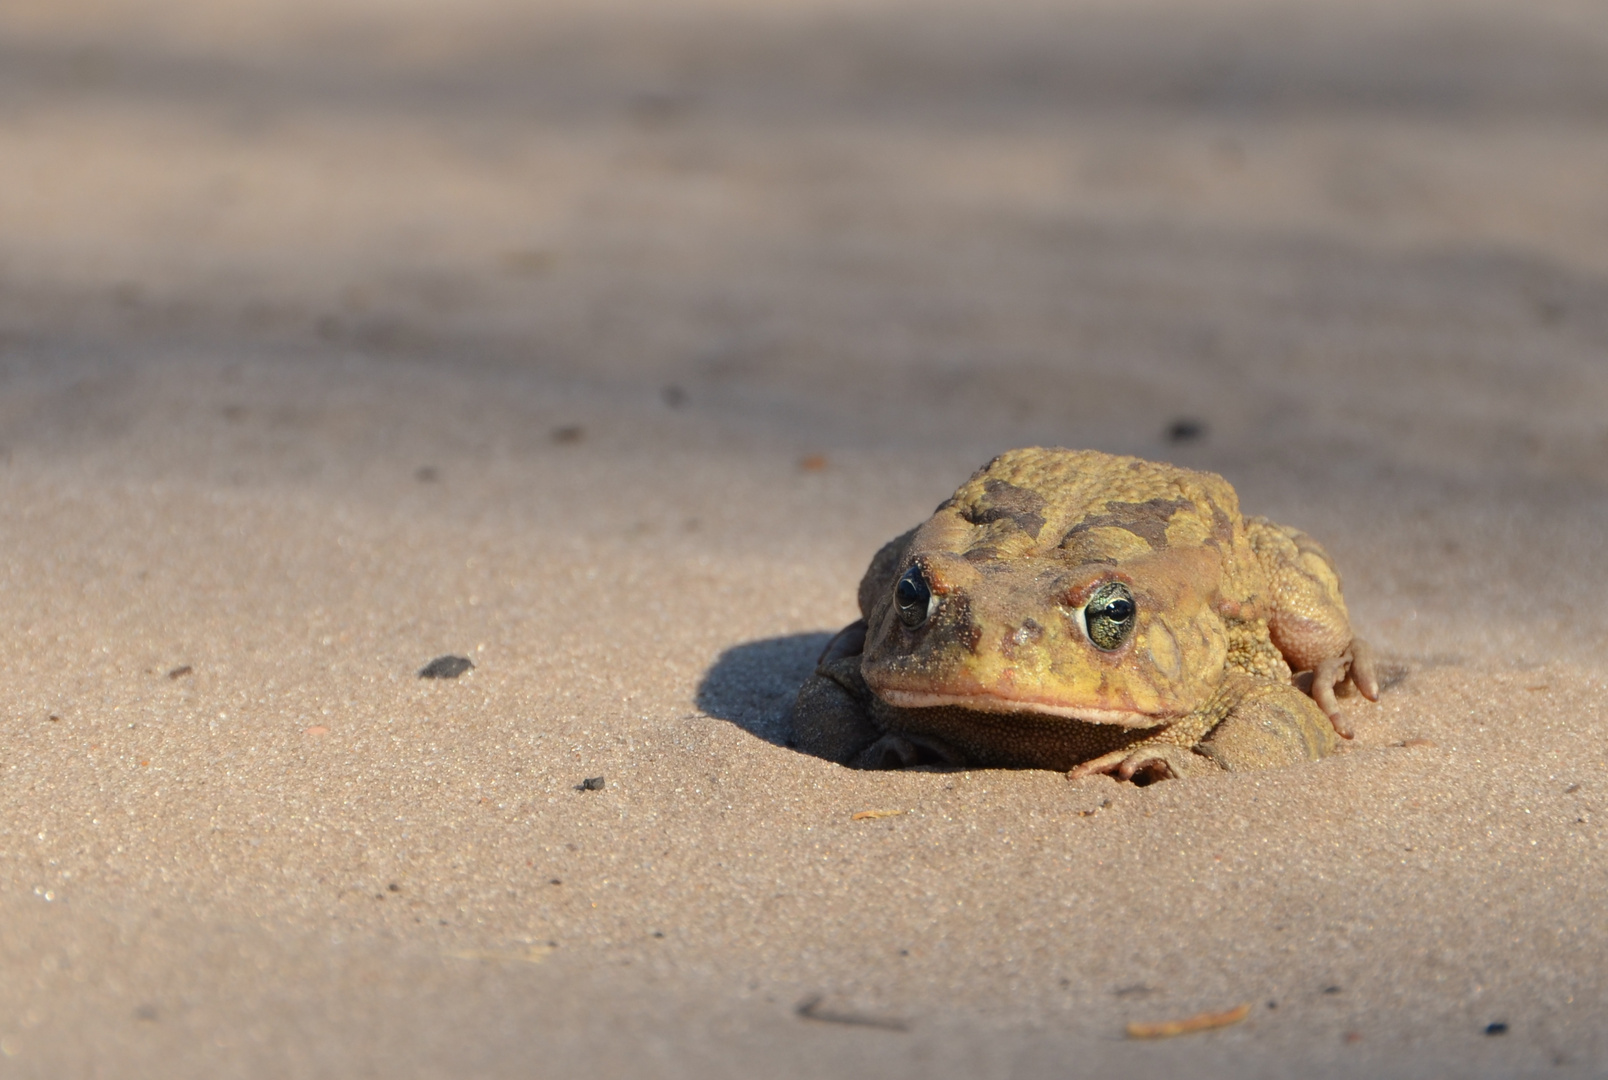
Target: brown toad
[{"x": 1068, "y": 609}]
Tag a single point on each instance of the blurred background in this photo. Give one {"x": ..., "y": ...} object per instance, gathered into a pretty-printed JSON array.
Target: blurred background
[{"x": 1375, "y": 229}]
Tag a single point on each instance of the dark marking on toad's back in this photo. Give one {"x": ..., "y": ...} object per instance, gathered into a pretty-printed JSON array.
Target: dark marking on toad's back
[
  {"x": 1003, "y": 500},
  {"x": 1147, "y": 520}
]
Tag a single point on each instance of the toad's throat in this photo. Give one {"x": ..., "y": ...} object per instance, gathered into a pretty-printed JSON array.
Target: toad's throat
[{"x": 995, "y": 703}]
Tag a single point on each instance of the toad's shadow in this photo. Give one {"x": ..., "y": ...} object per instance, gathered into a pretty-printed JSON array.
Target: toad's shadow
[{"x": 753, "y": 685}]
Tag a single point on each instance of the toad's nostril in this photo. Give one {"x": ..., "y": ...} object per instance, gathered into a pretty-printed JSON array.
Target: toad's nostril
[{"x": 1027, "y": 633}]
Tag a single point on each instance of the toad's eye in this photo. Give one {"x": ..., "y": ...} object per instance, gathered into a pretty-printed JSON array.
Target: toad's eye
[
  {"x": 913, "y": 597},
  {"x": 1108, "y": 616}
]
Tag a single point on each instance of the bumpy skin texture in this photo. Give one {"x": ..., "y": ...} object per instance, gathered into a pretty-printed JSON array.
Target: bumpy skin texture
[{"x": 999, "y": 669}]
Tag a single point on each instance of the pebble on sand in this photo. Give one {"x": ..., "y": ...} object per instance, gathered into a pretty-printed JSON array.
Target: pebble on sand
[{"x": 446, "y": 667}]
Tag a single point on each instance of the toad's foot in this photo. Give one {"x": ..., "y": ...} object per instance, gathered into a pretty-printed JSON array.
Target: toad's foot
[
  {"x": 1356, "y": 666},
  {"x": 1143, "y": 764}
]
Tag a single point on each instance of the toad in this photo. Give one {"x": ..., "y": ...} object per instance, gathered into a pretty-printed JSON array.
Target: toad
[{"x": 1079, "y": 611}]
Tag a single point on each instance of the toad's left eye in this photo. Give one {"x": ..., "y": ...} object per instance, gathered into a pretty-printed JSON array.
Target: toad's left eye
[
  {"x": 913, "y": 597},
  {"x": 1108, "y": 616}
]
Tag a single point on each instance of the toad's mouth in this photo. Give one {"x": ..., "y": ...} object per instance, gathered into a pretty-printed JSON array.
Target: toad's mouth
[{"x": 995, "y": 703}]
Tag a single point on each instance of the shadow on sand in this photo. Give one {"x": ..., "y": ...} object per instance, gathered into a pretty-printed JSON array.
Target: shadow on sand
[{"x": 753, "y": 684}]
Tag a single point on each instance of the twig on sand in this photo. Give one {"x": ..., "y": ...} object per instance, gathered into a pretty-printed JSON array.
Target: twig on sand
[
  {"x": 1205, "y": 1021},
  {"x": 810, "y": 1009}
]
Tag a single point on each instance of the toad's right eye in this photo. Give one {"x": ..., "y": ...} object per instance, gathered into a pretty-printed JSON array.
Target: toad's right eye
[
  {"x": 913, "y": 597},
  {"x": 1109, "y": 615}
]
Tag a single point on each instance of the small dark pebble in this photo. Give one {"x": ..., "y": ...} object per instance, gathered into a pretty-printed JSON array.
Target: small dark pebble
[
  {"x": 1272, "y": 1004},
  {"x": 673, "y": 396},
  {"x": 1135, "y": 990},
  {"x": 54, "y": 719},
  {"x": 426, "y": 474},
  {"x": 394, "y": 887},
  {"x": 181, "y": 671},
  {"x": 572, "y": 433},
  {"x": 555, "y": 881},
  {"x": 1186, "y": 429},
  {"x": 1571, "y": 789},
  {"x": 658, "y": 933},
  {"x": 591, "y": 783},
  {"x": 446, "y": 667},
  {"x": 1331, "y": 989},
  {"x": 1498, "y": 1028}
]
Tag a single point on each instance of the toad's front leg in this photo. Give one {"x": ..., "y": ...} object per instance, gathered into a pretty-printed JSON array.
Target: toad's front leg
[
  {"x": 1249, "y": 723},
  {"x": 832, "y": 717}
]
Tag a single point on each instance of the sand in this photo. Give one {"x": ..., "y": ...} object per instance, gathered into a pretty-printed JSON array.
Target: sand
[{"x": 602, "y": 345}]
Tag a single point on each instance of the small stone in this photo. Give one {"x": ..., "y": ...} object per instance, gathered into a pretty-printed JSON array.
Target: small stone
[
  {"x": 446, "y": 667},
  {"x": 181, "y": 671},
  {"x": 591, "y": 783},
  {"x": 1497, "y": 1028},
  {"x": 1186, "y": 429},
  {"x": 1134, "y": 990}
]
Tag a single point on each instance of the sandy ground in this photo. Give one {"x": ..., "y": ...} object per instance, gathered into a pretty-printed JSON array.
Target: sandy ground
[{"x": 602, "y": 344}]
